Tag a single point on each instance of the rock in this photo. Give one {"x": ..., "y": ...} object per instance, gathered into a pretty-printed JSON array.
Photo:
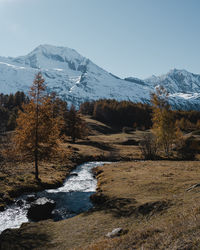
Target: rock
[
  {"x": 73, "y": 174},
  {"x": 31, "y": 198},
  {"x": 2, "y": 207},
  {"x": 96, "y": 172},
  {"x": 115, "y": 232},
  {"x": 41, "y": 209},
  {"x": 20, "y": 202}
]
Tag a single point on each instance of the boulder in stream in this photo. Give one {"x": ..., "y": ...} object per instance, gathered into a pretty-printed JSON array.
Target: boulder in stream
[
  {"x": 31, "y": 198},
  {"x": 20, "y": 202},
  {"x": 73, "y": 174},
  {"x": 41, "y": 209}
]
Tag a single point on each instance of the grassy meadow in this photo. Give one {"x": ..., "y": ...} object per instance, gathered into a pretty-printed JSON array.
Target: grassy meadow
[{"x": 150, "y": 200}]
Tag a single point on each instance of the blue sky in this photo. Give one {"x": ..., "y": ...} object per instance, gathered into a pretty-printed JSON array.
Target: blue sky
[{"x": 126, "y": 37}]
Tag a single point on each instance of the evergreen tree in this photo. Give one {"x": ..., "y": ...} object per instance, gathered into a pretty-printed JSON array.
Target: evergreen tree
[
  {"x": 75, "y": 127},
  {"x": 10, "y": 103},
  {"x": 37, "y": 130}
]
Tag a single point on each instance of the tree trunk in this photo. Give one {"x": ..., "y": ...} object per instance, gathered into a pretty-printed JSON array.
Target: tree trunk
[
  {"x": 73, "y": 139},
  {"x": 36, "y": 137},
  {"x": 36, "y": 165}
]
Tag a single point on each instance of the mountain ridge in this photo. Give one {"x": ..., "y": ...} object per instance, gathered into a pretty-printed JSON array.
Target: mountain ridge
[{"x": 77, "y": 79}]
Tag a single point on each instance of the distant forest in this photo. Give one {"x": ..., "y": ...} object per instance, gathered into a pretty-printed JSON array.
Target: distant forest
[
  {"x": 114, "y": 113},
  {"x": 9, "y": 106},
  {"x": 119, "y": 114},
  {"x": 137, "y": 115}
]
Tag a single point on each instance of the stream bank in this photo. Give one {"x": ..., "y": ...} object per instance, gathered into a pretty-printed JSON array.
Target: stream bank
[
  {"x": 71, "y": 199},
  {"x": 17, "y": 180}
]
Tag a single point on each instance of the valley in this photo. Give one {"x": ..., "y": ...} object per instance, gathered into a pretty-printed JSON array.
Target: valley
[
  {"x": 149, "y": 200},
  {"x": 99, "y": 125}
]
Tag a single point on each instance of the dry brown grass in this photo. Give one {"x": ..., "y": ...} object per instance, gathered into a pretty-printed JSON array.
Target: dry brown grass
[
  {"x": 178, "y": 226},
  {"x": 17, "y": 172},
  {"x": 149, "y": 199}
]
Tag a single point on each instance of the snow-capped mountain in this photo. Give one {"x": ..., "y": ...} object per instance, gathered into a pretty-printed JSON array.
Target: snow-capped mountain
[
  {"x": 77, "y": 79},
  {"x": 183, "y": 88}
]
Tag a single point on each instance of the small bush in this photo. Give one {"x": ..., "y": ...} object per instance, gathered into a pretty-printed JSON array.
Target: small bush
[{"x": 148, "y": 147}]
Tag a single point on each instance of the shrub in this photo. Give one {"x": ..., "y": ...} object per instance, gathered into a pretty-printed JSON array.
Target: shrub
[
  {"x": 148, "y": 147},
  {"x": 186, "y": 149}
]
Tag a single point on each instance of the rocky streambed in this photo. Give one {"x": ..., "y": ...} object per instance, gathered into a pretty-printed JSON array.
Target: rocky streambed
[{"x": 69, "y": 200}]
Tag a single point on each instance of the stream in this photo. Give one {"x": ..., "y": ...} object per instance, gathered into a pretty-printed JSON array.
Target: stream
[{"x": 71, "y": 199}]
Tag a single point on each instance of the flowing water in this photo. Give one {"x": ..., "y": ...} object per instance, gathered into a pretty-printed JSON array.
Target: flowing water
[{"x": 71, "y": 199}]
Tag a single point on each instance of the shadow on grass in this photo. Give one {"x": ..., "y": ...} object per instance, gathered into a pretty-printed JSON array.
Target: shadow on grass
[
  {"x": 125, "y": 207},
  {"x": 13, "y": 239},
  {"x": 95, "y": 144},
  {"x": 119, "y": 207},
  {"x": 102, "y": 129}
]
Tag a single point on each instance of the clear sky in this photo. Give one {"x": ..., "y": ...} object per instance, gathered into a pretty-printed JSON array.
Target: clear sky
[{"x": 126, "y": 37}]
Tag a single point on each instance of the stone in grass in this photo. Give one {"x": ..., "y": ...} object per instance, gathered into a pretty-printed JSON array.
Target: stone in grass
[
  {"x": 41, "y": 209},
  {"x": 115, "y": 232}
]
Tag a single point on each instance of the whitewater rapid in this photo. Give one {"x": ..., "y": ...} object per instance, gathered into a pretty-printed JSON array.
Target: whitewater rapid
[{"x": 71, "y": 199}]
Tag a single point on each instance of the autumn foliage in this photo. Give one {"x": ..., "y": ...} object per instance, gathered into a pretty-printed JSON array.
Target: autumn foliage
[
  {"x": 164, "y": 127},
  {"x": 37, "y": 129}
]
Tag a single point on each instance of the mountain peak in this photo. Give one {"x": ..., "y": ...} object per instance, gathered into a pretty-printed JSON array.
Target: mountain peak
[
  {"x": 52, "y": 57},
  {"x": 48, "y": 50},
  {"x": 76, "y": 79},
  {"x": 178, "y": 71},
  {"x": 52, "y": 49}
]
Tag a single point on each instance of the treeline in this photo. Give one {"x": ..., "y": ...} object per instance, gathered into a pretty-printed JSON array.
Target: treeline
[
  {"x": 9, "y": 107},
  {"x": 115, "y": 113},
  {"x": 13, "y": 104},
  {"x": 137, "y": 115},
  {"x": 187, "y": 120},
  {"x": 119, "y": 113}
]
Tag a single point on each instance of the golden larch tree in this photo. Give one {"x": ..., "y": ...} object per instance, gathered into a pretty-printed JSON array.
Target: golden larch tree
[
  {"x": 37, "y": 129},
  {"x": 163, "y": 121}
]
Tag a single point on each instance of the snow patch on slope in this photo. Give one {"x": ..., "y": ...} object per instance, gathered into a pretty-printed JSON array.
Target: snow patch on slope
[{"x": 77, "y": 79}]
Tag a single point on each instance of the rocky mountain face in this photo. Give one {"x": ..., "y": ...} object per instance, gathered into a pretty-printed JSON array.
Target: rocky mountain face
[{"x": 77, "y": 79}]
